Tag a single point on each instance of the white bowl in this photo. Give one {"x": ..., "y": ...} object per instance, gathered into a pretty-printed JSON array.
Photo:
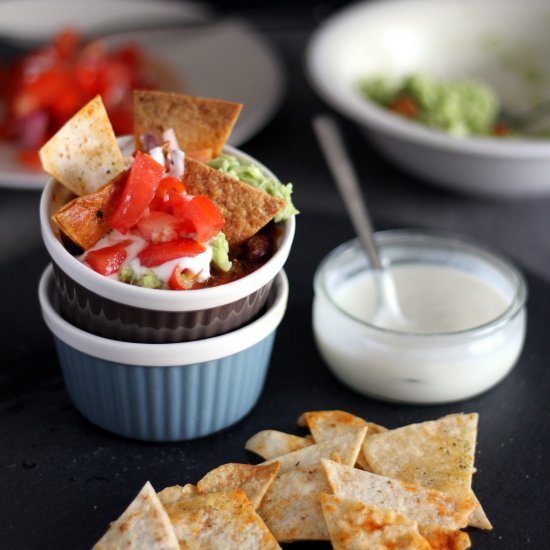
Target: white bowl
[
  {"x": 403, "y": 364},
  {"x": 118, "y": 310},
  {"x": 504, "y": 43}
]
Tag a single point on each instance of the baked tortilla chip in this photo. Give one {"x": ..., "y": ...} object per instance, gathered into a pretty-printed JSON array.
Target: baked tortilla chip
[
  {"x": 438, "y": 454},
  {"x": 245, "y": 209},
  {"x": 198, "y": 122},
  {"x": 354, "y": 525},
  {"x": 219, "y": 520},
  {"x": 428, "y": 507},
  {"x": 346, "y": 445},
  {"x": 253, "y": 480},
  {"x": 84, "y": 155},
  {"x": 272, "y": 443},
  {"x": 144, "y": 525},
  {"x": 177, "y": 492},
  {"x": 85, "y": 219},
  {"x": 291, "y": 507},
  {"x": 324, "y": 425}
]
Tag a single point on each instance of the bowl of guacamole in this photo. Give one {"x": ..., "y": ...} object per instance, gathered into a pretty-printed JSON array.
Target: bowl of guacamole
[{"x": 437, "y": 88}]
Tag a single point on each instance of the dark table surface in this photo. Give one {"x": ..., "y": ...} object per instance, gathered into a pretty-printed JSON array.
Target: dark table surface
[{"x": 62, "y": 479}]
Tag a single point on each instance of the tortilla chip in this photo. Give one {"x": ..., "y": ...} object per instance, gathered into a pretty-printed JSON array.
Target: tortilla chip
[
  {"x": 85, "y": 219},
  {"x": 428, "y": 507},
  {"x": 253, "y": 480},
  {"x": 478, "y": 518},
  {"x": 291, "y": 507},
  {"x": 172, "y": 494},
  {"x": 325, "y": 424},
  {"x": 143, "y": 525},
  {"x": 198, "y": 122},
  {"x": 272, "y": 443},
  {"x": 84, "y": 155},
  {"x": 245, "y": 209},
  {"x": 438, "y": 454},
  {"x": 345, "y": 445},
  {"x": 219, "y": 520},
  {"x": 354, "y": 524}
]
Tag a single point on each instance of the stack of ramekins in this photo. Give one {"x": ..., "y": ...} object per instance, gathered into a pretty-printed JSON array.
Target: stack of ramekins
[{"x": 160, "y": 365}]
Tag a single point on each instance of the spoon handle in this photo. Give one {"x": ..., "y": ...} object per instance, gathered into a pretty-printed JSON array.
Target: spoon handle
[{"x": 331, "y": 143}]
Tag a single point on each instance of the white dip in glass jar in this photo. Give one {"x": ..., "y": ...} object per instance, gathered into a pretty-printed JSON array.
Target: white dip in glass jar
[{"x": 464, "y": 309}]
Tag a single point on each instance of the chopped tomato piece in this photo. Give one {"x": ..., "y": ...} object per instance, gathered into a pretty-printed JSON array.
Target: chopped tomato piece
[
  {"x": 181, "y": 279},
  {"x": 66, "y": 42},
  {"x": 404, "y": 105},
  {"x": 159, "y": 253},
  {"x": 29, "y": 157},
  {"x": 200, "y": 218},
  {"x": 167, "y": 191},
  {"x": 107, "y": 260},
  {"x": 138, "y": 191},
  {"x": 158, "y": 227}
]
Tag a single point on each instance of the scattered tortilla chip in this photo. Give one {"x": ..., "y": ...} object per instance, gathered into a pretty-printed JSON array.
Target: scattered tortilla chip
[
  {"x": 272, "y": 443},
  {"x": 177, "y": 492},
  {"x": 478, "y": 518},
  {"x": 84, "y": 155},
  {"x": 219, "y": 520},
  {"x": 291, "y": 507},
  {"x": 253, "y": 480},
  {"x": 438, "y": 454},
  {"x": 245, "y": 209},
  {"x": 198, "y": 122},
  {"x": 144, "y": 525},
  {"x": 345, "y": 445},
  {"x": 427, "y": 507},
  {"x": 324, "y": 425},
  {"x": 85, "y": 219},
  {"x": 353, "y": 525}
]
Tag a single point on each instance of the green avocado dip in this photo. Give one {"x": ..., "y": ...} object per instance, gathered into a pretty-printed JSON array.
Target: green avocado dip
[
  {"x": 251, "y": 174},
  {"x": 461, "y": 107}
]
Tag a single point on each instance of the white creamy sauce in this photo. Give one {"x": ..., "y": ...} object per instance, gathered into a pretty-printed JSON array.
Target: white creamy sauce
[{"x": 433, "y": 299}]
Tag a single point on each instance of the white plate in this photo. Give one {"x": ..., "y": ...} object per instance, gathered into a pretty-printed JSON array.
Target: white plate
[{"x": 227, "y": 60}]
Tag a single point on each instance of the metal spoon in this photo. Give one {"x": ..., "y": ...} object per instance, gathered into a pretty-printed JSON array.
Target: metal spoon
[{"x": 388, "y": 312}]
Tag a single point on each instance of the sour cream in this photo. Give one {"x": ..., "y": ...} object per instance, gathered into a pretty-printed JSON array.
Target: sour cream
[{"x": 465, "y": 319}]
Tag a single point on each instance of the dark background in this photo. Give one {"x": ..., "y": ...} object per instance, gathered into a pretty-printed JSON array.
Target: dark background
[{"x": 62, "y": 479}]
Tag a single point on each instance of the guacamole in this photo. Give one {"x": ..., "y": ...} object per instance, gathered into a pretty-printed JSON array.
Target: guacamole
[
  {"x": 461, "y": 107},
  {"x": 251, "y": 174}
]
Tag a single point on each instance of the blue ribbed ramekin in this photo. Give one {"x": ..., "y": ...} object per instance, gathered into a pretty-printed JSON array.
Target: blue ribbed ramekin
[{"x": 165, "y": 392}]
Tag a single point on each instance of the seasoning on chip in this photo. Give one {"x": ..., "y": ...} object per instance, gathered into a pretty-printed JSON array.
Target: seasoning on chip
[
  {"x": 144, "y": 524},
  {"x": 428, "y": 507},
  {"x": 291, "y": 507},
  {"x": 199, "y": 123},
  {"x": 83, "y": 155},
  {"x": 219, "y": 520},
  {"x": 353, "y": 524},
  {"x": 253, "y": 480}
]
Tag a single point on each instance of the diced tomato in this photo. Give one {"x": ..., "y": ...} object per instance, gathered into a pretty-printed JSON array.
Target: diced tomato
[
  {"x": 66, "y": 42},
  {"x": 200, "y": 218},
  {"x": 405, "y": 106},
  {"x": 158, "y": 227},
  {"x": 29, "y": 158},
  {"x": 167, "y": 191},
  {"x": 181, "y": 279},
  {"x": 202, "y": 155},
  {"x": 138, "y": 191},
  {"x": 107, "y": 260},
  {"x": 159, "y": 253}
]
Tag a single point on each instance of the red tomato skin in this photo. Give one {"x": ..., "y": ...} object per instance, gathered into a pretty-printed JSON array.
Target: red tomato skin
[
  {"x": 181, "y": 279},
  {"x": 159, "y": 253},
  {"x": 138, "y": 191},
  {"x": 167, "y": 191},
  {"x": 107, "y": 260},
  {"x": 201, "y": 218}
]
